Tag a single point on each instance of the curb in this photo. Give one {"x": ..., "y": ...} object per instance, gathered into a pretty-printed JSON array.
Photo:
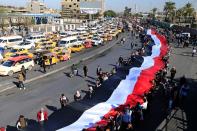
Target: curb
[{"x": 64, "y": 67}]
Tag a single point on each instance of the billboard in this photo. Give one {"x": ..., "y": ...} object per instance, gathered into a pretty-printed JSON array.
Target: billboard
[{"x": 90, "y": 7}]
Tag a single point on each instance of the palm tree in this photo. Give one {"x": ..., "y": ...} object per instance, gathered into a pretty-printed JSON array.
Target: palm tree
[
  {"x": 154, "y": 10},
  {"x": 169, "y": 10},
  {"x": 189, "y": 12},
  {"x": 179, "y": 14},
  {"x": 127, "y": 11}
]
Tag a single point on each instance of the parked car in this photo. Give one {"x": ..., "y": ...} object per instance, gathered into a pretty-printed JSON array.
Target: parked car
[
  {"x": 76, "y": 48},
  {"x": 87, "y": 44},
  {"x": 49, "y": 56},
  {"x": 96, "y": 41},
  {"x": 25, "y": 45},
  {"x": 15, "y": 64},
  {"x": 9, "y": 41},
  {"x": 14, "y": 51}
]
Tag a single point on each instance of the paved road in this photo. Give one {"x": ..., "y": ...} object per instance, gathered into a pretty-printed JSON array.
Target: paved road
[
  {"x": 7, "y": 81},
  {"x": 181, "y": 119},
  {"x": 46, "y": 91}
]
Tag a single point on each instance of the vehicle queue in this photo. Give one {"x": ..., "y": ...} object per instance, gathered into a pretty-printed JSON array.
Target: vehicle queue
[{"x": 52, "y": 47}]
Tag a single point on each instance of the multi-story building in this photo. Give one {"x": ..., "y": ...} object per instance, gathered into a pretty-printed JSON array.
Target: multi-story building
[
  {"x": 35, "y": 6},
  {"x": 71, "y": 8}
]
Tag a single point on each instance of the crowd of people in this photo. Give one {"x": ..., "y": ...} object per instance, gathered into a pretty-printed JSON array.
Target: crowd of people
[{"x": 126, "y": 119}]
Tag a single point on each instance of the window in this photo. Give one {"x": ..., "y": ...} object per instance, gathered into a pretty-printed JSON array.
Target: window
[
  {"x": 63, "y": 42},
  {"x": 14, "y": 40},
  {"x": 8, "y": 63},
  {"x": 28, "y": 60},
  {"x": 13, "y": 51},
  {"x": 21, "y": 61},
  {"x": 72, "y": 41},
  {"x": 2, "y": 41}
]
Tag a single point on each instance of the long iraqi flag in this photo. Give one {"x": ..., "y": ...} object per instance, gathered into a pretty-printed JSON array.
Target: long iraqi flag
[{"x": 128, "y": 92}]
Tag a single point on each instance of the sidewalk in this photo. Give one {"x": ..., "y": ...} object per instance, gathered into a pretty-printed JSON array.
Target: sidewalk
[
  {"x": 181, "y": 119},
  {"x": 8, "y": 82}
]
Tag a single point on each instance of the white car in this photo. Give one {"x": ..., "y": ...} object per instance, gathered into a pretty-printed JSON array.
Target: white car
[
  {"x": 9, "y": 41},
  {"x": 96, "y": 41},
  {"x": 25, "y": 45},
  {"x": 15, "y": 64},
  {"x": 35, "y": 38}
]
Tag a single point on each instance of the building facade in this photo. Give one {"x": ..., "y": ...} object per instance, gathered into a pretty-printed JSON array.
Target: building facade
[
  {"x": 35, "y": 6},
  {"x": 71, "y": 8}
]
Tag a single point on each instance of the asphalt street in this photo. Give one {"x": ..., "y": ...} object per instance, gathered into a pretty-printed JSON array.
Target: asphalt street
[
  {"x": 46, "y": 92},
  {"x": 7, "y": 81}
]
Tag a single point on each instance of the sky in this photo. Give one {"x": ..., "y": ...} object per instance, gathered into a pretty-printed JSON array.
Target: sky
[{"x": 116, "y": 5}]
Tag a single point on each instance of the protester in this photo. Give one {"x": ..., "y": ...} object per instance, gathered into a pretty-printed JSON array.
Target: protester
[
  {"x": 2, "y": 129},
  {"x": 113, "y": 71},
  {"x": 77, "y": 96},
  {"x": 90, "y": 91},
  {"x": 123, "y": 39},
  {"x": 21, "y": 124},
  {"x": 182, "y": 80},
  {"x": 43, "y": 65},
  {"x": 120, "y": 60},
  {"x": 85, "y": 71},
  {"x": 173, "y": 72},
  {"x": 118, "y": 121},
  {"x": 193, "y": 51},
  {"x": 21, "y": 80},
  {"x": 126, "y": 118},
  {"x": 98, "y": 83},
  {"x": 74, "y": 70},
  {"x": 131, "y": 45},
  {"x": 139, "y": 111},
  {"x": 42, "y": 116},
  {"x": 50, "y": 63},
  {"x": 98, "y": 70},
  {"x": 63, "y": 101},
  {"x": 129, "y": 127},
  {"x": 23, "y": 70},
  {"x": 184, "y": 92}
]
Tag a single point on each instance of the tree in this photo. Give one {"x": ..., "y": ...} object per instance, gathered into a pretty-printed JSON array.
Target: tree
[
  {"x": 189, "y": 12},
  {"x": 127, "y": 11},
  {"x": 179, "y": 14},
  {"x": 169, "y": 9},
  {"x": 153, "y": 13},
  {"x": 3, "y": 10},
  {"x": 110, "y": 13}
]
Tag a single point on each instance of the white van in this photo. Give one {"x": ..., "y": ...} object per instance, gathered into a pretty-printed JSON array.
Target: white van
[
  {"x": 68, "y": 41},
  {"x": 10, "y": 41},
  {"x": 35, "y": 38}
]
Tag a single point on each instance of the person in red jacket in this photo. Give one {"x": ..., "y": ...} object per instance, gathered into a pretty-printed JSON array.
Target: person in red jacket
[
  {"x": 2, "y": 129},
  {"x": 42, "y": 116}
]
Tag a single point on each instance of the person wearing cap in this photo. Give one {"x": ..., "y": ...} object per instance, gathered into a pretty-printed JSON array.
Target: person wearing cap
[{"x": 42, "y": 116}]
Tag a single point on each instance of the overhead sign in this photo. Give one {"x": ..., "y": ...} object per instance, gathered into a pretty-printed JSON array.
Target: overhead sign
[
  {"x": 89, "y": 7},
  {"x": 89, "y": 11}
]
